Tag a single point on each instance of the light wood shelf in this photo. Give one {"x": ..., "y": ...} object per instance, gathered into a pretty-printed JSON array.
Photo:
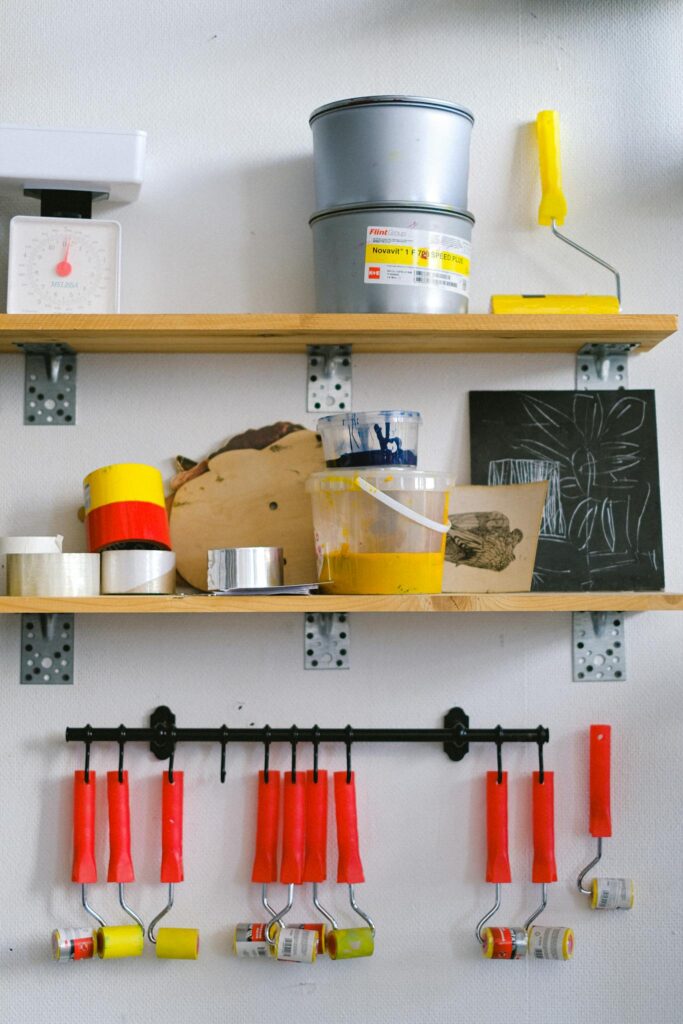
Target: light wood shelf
[
  {"x": 445, "y": 603},
  {"x": 292, "y": 332}
]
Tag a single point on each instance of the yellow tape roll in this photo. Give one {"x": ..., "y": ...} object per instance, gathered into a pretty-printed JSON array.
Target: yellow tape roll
[
  {"x": 349, "y": 943},
  {"x": 178, "y": 944},
  {"x": 120, "y": 941},
  {"x": 124, "y": 481}
]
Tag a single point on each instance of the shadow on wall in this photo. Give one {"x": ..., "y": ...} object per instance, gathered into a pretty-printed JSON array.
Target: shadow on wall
[{"x": 276, "y": 199}]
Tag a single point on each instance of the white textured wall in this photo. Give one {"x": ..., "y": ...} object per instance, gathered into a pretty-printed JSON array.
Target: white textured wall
[{"x": 224, "y": 90}]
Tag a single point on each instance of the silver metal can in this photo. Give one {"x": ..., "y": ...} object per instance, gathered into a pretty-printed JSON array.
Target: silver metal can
[
  {"x": 392, "y": 258},
  {"x": 388, "y": 148},
  {"x": 245, "y": 568}
]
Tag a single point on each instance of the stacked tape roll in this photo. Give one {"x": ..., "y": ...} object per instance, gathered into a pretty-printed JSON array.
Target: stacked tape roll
[
  {"x": 24, "y": 546},
  {"x": 125, "y": 507},
  {"x": 138, "y": 572},
  {"x": 53, "y": 575}
]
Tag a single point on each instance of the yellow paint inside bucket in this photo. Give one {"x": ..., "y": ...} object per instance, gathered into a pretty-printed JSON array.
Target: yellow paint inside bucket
[{"x": 393, "y": 572}]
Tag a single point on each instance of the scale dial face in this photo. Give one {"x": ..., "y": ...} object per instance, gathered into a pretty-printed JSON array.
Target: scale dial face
[{"x": 63, "y": 265}]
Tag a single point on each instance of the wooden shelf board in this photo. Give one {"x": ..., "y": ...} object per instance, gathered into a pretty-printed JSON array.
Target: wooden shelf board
[
  {"x": 203, "y": 603},
  {"x": 291, "y": 332}
]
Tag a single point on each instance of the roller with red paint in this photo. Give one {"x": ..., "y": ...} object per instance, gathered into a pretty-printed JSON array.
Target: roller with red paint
[
  {"x": 605, "y": 893},
  {"x": 117, "y": 941},
  {"x": 172, "y": 943},
  {"x": 498, "y": 943},
  {"x": 545, "y": 943},
  {"x": 79, "y": 943}
]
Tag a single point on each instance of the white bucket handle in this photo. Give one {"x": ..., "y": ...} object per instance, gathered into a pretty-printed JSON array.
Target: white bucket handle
[{"x": 402, "y": 510}]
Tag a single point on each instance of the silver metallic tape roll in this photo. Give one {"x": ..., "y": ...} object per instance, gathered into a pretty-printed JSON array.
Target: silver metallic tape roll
[
  {"x": 138, "y": 572},
  {"x": 243, "y": 568},
  {"x": 53, "y": 575},
  {"x": 22, "y": 546}
]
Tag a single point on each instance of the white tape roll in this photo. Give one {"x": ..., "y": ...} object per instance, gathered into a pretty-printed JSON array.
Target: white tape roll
[
  {"x": 24, "y": 546},
  {"x": 138, "y": 572},
  {"x": 53, "y": 575}
]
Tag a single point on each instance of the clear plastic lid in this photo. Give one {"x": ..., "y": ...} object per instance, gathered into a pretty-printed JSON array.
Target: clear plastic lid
[
  {"x": 350, "y": 419},
  {"x": 388, "y": 478}
]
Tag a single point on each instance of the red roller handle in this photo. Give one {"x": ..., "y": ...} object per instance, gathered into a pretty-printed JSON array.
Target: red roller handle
[
  {"x": 349, "y": 867},
  {"x": 543, "y": 806},
  {"x": 315, "y": 863},
  {"x": 497, "y": 859},
  {"x": 172, "y": 828},
  {"x": 120, "y": 860},
  {"x": 84, "y": 868},
  {"x": 294, "y": 830},
  {"x": 267, "y": 822},
  {"x": 600, "y": 751}
]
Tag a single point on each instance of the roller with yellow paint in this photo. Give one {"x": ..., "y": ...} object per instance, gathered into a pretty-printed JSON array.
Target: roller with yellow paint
[
  {"x": 117, "y": 941},
  {"x": 551, "y": 212},
  {"x": 172, "y": 943}
]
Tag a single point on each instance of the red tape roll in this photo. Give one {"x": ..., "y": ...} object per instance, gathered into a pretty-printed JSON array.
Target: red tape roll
[{"x": 127, "y": 522}]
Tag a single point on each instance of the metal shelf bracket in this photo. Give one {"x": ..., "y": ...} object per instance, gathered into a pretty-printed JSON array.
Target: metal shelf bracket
[
  {"x": 328, "y": 378},
  {"x": 327, "y": 640},
  {"x": 49, "y": 385},
  {"x": 598, "y": 647},
  {"x": 47, "y": 649},
  {"x": 603, "y": 367}
]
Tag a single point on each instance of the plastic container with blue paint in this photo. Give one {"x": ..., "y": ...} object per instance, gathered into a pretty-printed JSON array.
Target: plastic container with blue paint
[{"x": 385, "y": 438}]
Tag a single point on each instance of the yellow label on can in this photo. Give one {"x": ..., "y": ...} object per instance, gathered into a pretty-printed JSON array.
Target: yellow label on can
[{"x": 408, "y": 256}]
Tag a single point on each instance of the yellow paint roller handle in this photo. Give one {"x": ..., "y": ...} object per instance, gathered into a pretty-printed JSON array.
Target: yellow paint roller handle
[{"x": 553, "y": 204}]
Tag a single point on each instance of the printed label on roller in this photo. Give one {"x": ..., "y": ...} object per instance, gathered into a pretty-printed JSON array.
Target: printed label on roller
[
  {"x": 504, "y": 943},
  {"x": 551, "y": 943},
  {"x": 319, "y": 929},
  {"x": 73, "y": 944},
  {"x": 297, "y": 945},
  {"x": 612, "y": 893},
  {"x": 250, "y": 942},
  {"x": 407, "y": 256}
]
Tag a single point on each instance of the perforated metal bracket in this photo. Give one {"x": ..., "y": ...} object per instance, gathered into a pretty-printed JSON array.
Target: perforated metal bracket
[
  {"x": 47, "y": 649},
  {"x": 328, "y": 378},
  {"x": 327, "y": 640},
  {"x": 49, "y": 385},
  {"x": 598, "y": 647},
  {"x": 603, "y": 367}
]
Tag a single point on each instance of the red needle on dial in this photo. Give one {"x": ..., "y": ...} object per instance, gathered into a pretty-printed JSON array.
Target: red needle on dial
[{"x": 64, "y": 268}]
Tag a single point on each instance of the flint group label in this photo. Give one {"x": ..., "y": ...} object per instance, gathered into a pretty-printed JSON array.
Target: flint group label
[{"x": 408, "y": 256}]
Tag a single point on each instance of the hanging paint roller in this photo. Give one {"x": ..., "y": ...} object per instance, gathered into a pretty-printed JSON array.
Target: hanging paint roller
[
  {"x": 551, "y": 212},
  {"x": 79, "y": 943},
  {"x": 545, "y": 943},
  {"x": 172, "y": 943},
  {"x": 605, "y": 893},
  {"x": 117, "y": 941},
  {"x": 498, "y": 943},
  {"x": 348, "y": 943},
  {"x": 298, "y": 943},
  {"x": 250, "y": 939}
]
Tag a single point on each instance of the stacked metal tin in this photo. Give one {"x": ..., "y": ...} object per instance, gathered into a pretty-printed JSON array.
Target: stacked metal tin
[{"x": 392, "y": 232}]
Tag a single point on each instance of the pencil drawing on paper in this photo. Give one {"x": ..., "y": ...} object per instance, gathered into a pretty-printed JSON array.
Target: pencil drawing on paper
[
  {"x": 601, "y": 525},
  {"x": 482, "y": 540}
]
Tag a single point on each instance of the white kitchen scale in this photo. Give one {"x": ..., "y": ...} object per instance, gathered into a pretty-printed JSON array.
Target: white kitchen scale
[{"x": 63, "y": 261}]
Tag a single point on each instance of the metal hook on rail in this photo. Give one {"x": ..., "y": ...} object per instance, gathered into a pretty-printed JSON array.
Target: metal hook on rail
[{"x": 224, "y": 746}]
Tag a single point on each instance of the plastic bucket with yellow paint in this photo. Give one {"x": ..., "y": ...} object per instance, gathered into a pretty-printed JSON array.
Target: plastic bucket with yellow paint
[{"x": 380, "y": 531}]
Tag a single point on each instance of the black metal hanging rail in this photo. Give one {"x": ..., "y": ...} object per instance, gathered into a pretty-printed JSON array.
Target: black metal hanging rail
[{"x": 163, "y": 735}]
